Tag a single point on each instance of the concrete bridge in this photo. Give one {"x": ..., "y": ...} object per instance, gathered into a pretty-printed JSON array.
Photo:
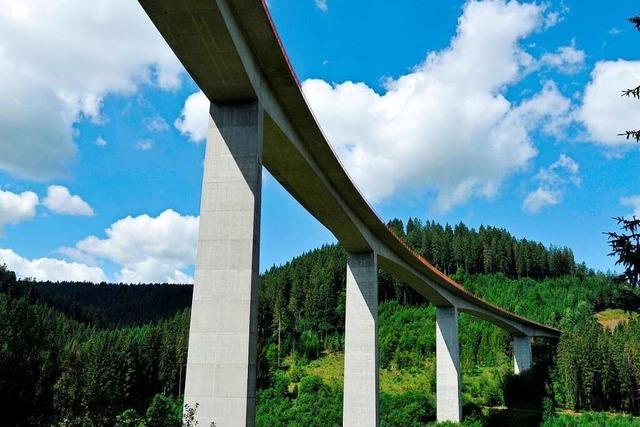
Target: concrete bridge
[{"x": 259, "y": 117}]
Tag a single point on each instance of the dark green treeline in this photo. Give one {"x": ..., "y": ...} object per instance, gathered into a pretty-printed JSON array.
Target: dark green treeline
[
  {"x": 81, "y": 354},
  {"x": 487, "y": 250}
]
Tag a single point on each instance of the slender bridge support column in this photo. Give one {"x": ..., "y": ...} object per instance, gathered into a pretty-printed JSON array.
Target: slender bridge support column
[
  {"x": 448, "y": 407},
  {"x": 360, "y": 404},
  {"x": 221, "y": 363},
  {"x": 522, "y": 358}
]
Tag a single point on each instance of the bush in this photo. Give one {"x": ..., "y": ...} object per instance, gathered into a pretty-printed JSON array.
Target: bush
[
  {"x": 310, "y": 345},
  {"x": 410, "y": 409},
  {"x": 163, "y": 412},
  {"x": 129, "y": 418}
]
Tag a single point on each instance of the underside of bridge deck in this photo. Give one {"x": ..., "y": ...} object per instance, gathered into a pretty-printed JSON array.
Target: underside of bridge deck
[{"x": 260, "y": 117}]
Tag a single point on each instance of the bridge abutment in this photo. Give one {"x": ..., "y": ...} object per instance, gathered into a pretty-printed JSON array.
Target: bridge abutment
[
  {"x": 448, "y": 405},
  {"x": 360, "y": 404},
  {"x": 522, "y": 357},
  {"x": 221, "y": 362}
]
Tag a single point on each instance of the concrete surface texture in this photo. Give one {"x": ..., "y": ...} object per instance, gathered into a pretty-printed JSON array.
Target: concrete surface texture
[
  {"x": 448, "y": 405},
  {"x": 522, "y": 359},
  {"x": 221, "y": 365},
  {"x": 232, "y": 51},
  {"x": 360, "y": 403}
]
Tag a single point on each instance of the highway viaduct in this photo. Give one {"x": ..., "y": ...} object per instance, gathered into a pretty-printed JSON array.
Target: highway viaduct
[{"x": 259, "y": 117}]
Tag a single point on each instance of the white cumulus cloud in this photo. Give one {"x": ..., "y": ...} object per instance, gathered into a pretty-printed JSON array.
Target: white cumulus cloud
[
  {"x": 148, "y": 249},
  {"x": 50, "y": 268},
  {"x": 604, "y": 112},
  {"x": 194, "y": 118},
  {"x": 58, "y": 60},
  {"x": 552, "y": 184},
  {"x": 538, "y": 199},
  {"x": 60, "y": 200},
  {"x": 447, "y": 126},
  {"x": 15, "y": 208},
  {"x": 566, "y": 59}
]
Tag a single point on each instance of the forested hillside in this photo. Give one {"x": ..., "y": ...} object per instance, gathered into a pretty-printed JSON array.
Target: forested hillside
[
  {"x": 81, "y": 354},
  {"x": 106, "y": 305}
]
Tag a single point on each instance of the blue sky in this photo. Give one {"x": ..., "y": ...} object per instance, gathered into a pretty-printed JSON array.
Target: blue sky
[{"x": 489, "y": 112}]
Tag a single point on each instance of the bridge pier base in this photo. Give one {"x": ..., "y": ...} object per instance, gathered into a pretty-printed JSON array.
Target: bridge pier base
[
  {"x": 448, "y": 405},
  {"x": 221, "y": 362},
  {"x": 360, "y": 403},
  {"x": 522, "y": 357}
]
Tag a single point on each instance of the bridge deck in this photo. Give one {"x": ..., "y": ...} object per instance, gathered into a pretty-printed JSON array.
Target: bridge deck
[{"x": 233, "y": 52}]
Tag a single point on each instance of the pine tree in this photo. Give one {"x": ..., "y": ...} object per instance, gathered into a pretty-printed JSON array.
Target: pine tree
[
  {"x": 632, "y": 92},
  {"x": 625, "y": 245}
]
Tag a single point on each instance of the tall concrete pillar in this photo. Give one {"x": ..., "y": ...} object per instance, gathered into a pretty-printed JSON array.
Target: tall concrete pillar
[
  {"x": 522, "y": 358},
  {"x": 448, "y": 406},
  {"x": 360, "y": 404},
  {"x": 221, "y": 363}
]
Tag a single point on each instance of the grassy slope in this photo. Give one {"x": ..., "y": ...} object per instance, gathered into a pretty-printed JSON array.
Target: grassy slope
[
  {"x": 406, "y": 335},
  {"x": 612, "y": 317}
]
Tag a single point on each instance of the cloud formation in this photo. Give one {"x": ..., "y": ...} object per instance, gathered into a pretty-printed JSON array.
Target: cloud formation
[
  {"x": 147, "y": 249},
  {"x": 447, "y": 126},
  {"x": 604, "y": 112},
  {"x": 60, "y": 200},
  {"x": 552, "y": 183},
  {"x": 566, "y": 59},
  {"x": 50, "y": 268},
  {"x": 59, "y": 59},
  {"x": 323, "y": 5},
  {"x": 633, "y": 202},
  {"x": 144, "y": 145},
  {"x": 194, "y": 118},
  {"x": 155, "y": 124},
  {"x": 15, "y": 208}
]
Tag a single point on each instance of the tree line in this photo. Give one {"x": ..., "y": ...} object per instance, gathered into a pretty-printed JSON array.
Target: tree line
[
  {"x": 84, "y": 354},
  {"x": 486, "y": 250}
]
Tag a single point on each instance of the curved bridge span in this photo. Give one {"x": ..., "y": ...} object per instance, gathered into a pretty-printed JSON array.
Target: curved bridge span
[{"x": 259, "y": 117}]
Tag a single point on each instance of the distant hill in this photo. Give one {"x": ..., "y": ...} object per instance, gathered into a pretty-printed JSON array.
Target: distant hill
[{"x": 109, "y": 305}]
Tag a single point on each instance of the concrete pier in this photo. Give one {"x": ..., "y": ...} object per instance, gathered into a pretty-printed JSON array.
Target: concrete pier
[
  {"x": 233, "y": 53},
  {"x": 360, "y": 404},
  {"x": 522, "y": 358},
  {"x": 221, "y": 363},
  {"x": 448, "y": 407}
]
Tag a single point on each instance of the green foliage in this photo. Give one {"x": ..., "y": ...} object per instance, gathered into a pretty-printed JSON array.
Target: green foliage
[
  {"x": 487, "y": 250},
  {"x": 410, "y": 409},
  {"x": 82, "y": 354},
  {"x": 104, "y": 305},
  {"x": 590, "y": 419},
  {"x": 56, "y": 370},
  {"x": 625, "y": 245},
  {"x": 314, "y": 404},
  {"x": 599, "y": 369},
  {"x": 310, "y": 345},
  {"x": 164, "y": 412},
  {"x": 129, "y": 418}
]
